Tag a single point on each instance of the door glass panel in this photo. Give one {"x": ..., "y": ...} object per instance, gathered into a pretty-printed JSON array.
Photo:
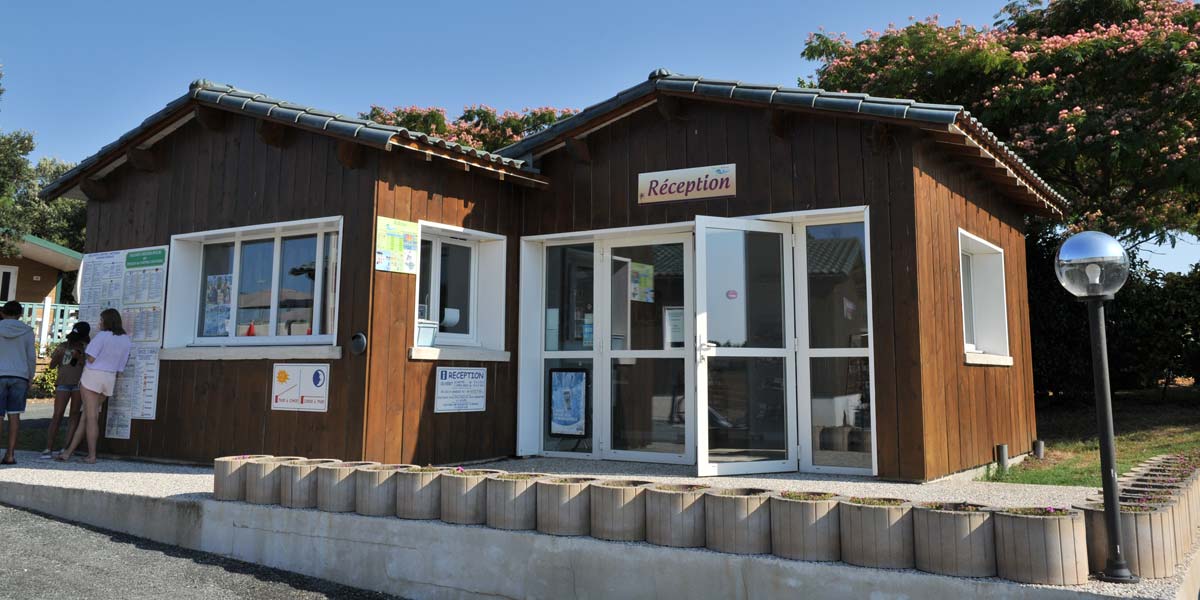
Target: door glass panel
[
  {"x": 837, "y": 286},
  {"x": 648, "y": 403},
  {"x": 647, "y": 297},
  {"x": 569, "y": 301},
  {"x": 297, "y": 284},
  {"x": 254, "y": 288},
  {"x": 745, "y": 288},
  {"x": 568, "y": 405},
  {"x": 747, "y": 409},
  {"x": 841, "y": 412}
]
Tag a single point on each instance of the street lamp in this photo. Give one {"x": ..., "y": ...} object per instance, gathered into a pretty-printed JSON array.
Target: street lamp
[{"x": 1093, "y": 266}]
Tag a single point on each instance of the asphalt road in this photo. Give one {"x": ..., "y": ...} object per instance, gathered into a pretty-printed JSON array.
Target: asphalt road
[{"x": 42, "y": 557}]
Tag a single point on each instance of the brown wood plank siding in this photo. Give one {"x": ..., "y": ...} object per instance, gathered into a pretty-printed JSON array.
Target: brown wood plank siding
[
  {"x": 967, "y": 409},
  {"x": 29, "y": 290},
  {"x": 821, "y": 162},
  {"x": 217, "y": 179},
  {"x": 401, "y": 425}
]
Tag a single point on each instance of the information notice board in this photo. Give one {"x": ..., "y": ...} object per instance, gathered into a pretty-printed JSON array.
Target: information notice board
[{"x": 135, "y": 283}]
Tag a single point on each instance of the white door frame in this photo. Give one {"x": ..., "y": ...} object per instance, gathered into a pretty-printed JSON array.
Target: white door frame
[
  {"x": 12, "y": 281},
  {"x": 705, "y": 350}
]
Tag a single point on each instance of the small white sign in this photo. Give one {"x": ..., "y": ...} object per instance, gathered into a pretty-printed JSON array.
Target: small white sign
[
  {"x": 300, "y": 387},
  {"x": 717, "y": 181},
  {"x": 460, "y": 389}
]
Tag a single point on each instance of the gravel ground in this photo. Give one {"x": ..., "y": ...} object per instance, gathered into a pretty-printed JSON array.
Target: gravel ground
[
  {"x": 47, "y": 558},
  {"x": 122, "y": 476}
]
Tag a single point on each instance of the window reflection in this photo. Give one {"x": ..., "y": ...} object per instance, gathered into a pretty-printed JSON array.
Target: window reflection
[
  {"x": 297, "y": 282},
  {"x": 837, "y": 286},
  {"x": 647, "y": 297},
  {"x": 648, "y": 404},
  {"x": 841, "y": 412},
  {"x": 254, "y": 288},
  {"x": 570, "y": 320},
  {"x": 747, "y": 409},
  {"x": 745, "y": 288}
]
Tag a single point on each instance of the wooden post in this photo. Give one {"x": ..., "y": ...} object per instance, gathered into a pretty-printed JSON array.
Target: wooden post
[
  {"x": 298, "y": 482},
  {"x": 375, "y": 490},
  {"x": 675, "y": 515},
  {"x": 805, "y": 526},
  {"x": 512, "y": 501},
  {"x": 229, "y": 476},
  {"x": 564, "y": 506},
  {"x": 464, "y": 496},
  {"x": 335, "y": 485},
  {"x": 619, "y": 510},
  {"x": 262, "y": 478},
  {"x": 738, "y": 520}
]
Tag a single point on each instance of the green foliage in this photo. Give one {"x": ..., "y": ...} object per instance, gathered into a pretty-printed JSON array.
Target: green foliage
[
  {"x": 44, "y": 384},
  {"x": 1155, "y": 328},
  {"x": 478, "y": 126}
]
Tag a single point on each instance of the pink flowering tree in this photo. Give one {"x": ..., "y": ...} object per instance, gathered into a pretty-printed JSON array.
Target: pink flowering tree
[
  {"x": 478, "y": 126},
  {"x": 1101, "y": 97}
]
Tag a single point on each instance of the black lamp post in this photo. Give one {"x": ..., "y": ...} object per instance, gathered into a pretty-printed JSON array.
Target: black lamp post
[{"x": 1093, "y": 266}]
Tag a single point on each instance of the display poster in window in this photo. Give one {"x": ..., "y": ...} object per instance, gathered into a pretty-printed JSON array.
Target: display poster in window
[
  {"x": 397, "y": 245},
  {"x": 300, "y": 387},
  {"x": 460, "y": 389},
  {"x": 568, "y": 402},
  {"x": 641, "y": 282},
  {"x": 218, "y": 304},
  {"x": 135, "y": 283},
  {"x": 673, "y": 327}
]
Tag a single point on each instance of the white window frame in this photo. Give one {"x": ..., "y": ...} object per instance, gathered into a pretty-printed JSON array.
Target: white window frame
[
  {"x": 991, "y": 344},
  {"x": 187, "y": 262},
  {"x": 12, "y": 288},
  {"x": 485, "y": 342}
]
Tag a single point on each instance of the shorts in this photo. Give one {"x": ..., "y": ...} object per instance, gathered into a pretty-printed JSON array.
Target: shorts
[
  {"x": 67, "y": 388},
  {"x": 12, "y": 394},
  {"x": 101, "y": 382}
]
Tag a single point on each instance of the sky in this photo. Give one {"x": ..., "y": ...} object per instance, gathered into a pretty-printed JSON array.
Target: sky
[{"x": 80, "y": 74}]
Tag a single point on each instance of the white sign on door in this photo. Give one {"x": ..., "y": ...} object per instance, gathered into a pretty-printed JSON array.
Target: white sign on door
[
  {"x": 460, "y": 389},
  {"x": 717, "y": 181},
  {"x": 300, "y": 387}
]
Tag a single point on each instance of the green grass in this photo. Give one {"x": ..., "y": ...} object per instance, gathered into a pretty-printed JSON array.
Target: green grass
[{"x": 1146, "y": 425}]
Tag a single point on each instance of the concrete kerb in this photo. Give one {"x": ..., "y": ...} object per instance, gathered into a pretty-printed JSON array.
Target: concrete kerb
[{"x": 430, "y": 559}]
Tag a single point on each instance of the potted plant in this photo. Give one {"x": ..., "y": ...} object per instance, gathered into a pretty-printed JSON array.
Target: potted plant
[
  {"x": 619, "y": 510},
  {"x": 954, "y": 538},
  {"x": 419, "y": 493},
  {"x": 464, "y": 495},
  {"x": 262, "y": 478},
  {"x": 335, "y": 485},
  {"x": 375, "y": 489},
  {"x": 512, "y": 501},
  {"x": 1045, "y": 545},
  {"x": 298, "y": 482},
  {"x": 229, "y": 480},
  {"x": 1148, "y": 533},
  {"x": 737, "y": 520},
  {"x": 877, "y": 532},
  {"x": 675, "y": 515},
  {"x": 564, "y": 505},
  {"x": 804, "y": 526}
]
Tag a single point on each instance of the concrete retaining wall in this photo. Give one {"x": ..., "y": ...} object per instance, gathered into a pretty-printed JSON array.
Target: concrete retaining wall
[{"x": 429, "y": 559}]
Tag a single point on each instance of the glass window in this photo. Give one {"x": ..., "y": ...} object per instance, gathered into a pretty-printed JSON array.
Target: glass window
[
  {"x": 216, "y": 290},
  {"x": 297, "y": 284},
  {"x": 837, "y": 285},
  {"x": 647, "y": 297},
  {"x": 445, "y": 288},
  {"x": 747, "y": 409},
  {"x": 984, "y": 302},
  {"x": 648, "y": 405},
  {"x": 968, "y": 302},
  {"x": 254, "y": 288},
  {"x": 424, "y": 290},
  {"x": 570, "y": 319},
  {"x": 841, "y": 412},
  {"x": 745, "y": 302},
  {"x": 329, "y": 282}
]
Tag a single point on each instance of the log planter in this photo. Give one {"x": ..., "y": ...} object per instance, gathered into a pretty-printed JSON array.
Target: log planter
[
  {"x": 229, "y": 478},
  {"x": 877, "y": 532},
  {"x": 675, "y": 515},
  {"x": 375, "y": 489},
  {"x": 619, "y": 510},
  {"x": 464, "y": 495},
  {"x": 1041, "y": 545},
  {"x": 1148, "y": 536},
  {"x": 564, "y": 505},
  {"x": 805, "y": 526},
  {"x": 738, "y": 520},
  {"x": 262, "y": 478},
  {"x": 419, "y": 493},
  {"x": 298, "y": 482},
  {"x": 956, "y": 539},
  {"x": 336, "y": 485},
  {"x": 512, "y": 501}
]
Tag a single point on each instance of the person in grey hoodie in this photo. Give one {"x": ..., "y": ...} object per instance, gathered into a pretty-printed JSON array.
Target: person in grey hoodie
[{"x": 18, "y": 361}]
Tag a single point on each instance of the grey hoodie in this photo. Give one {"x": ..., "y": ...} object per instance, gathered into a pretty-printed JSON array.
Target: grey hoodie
[{"x": 17, "y": 356}]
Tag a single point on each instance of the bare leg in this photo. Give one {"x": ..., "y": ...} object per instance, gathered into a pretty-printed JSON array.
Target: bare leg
[
  {"x": 60, "y": 406},
  {"x": 14, "y": 424},
  {"x": 76, "y": 412},
  {"x": 91, "y": 424}
]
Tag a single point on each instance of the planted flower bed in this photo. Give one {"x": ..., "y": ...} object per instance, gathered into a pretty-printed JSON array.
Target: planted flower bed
[
  {"x": 877, "y": 532},
  {"x": 1147, "y": 533},
  {"x": 738, "y": 520},
  {"x": 464, "y": 495},
  {"x": 805, "y": 526},
  {"x": 1041, "y": 545},
  {"x": 675, "y": 515},
  {"x": 298, "y": 482},
  {"x": 262, "y": 478},
  {"x": 954, "y": 538},
  {"x": 335, "y": 485},
  {"x": 512, "y": 501}
]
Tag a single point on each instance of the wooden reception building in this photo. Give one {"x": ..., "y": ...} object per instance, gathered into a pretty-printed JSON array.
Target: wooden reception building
[{"x": 739, "y": 277}]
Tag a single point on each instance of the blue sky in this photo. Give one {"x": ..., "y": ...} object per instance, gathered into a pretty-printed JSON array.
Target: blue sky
[{"x": 79, "y": 74}]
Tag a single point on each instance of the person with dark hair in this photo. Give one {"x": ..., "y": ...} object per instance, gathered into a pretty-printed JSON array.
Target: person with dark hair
[
  {"x": 69, "y": 359},
  {"x": 18, "y": 362},
  {"x": 107, "y": 355}
]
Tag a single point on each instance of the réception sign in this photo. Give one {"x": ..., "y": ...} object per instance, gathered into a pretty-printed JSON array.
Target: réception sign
[{"x": 696, "y": 183}]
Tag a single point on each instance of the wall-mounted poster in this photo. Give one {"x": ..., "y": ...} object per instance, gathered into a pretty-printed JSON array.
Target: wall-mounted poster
[
  {"x": 568, "y": 402},
  {"x": 641, "y": 282},
  {"x": 673, "y": 327},
  {"x": 218, "y": 299},
  {"x": 397, "y": 245}
]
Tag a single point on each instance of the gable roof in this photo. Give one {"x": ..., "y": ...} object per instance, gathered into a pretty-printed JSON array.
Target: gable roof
[
  {"x": 48, "y": 253},
  {"x": 951, "y": 123},
  {"x": 260, "y": 106}
]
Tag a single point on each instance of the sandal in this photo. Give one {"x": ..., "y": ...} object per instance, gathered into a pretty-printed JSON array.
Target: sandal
[
  {"x": 47, "y": 454},
  {"x": 60, "y": 457}
]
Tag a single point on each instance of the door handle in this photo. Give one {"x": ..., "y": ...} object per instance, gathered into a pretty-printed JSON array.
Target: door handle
[{"x": 703, "y": 347}]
